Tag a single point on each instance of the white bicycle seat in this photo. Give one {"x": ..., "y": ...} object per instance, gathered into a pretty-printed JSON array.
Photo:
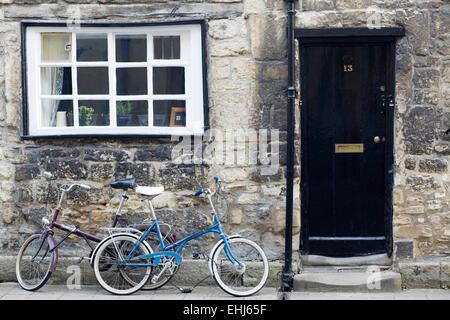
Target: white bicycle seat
[{"x": 149, "y": 191}]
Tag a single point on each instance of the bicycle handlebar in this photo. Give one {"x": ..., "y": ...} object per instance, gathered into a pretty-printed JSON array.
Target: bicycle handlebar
[
  {"x": 49, "y": 176},
  {"x": 199, "y": 192},
  {"x": 84, "y": 186}
]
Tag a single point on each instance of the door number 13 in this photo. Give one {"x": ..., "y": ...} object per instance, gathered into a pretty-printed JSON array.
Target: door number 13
[{"x": 348, "y": 67}]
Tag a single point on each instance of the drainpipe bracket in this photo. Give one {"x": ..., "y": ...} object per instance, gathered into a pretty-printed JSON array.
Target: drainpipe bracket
[{"x": 287, "y": 281}]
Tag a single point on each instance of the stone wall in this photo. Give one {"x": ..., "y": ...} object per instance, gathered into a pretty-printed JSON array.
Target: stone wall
[
  {"x": 422, "y": 115},
  {"x": 246, "y": 58},
  {"x": 247, "y": 78}
]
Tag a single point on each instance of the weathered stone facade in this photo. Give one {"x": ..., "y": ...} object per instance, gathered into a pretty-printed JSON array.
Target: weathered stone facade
[
  {"x": 421, "y": 191},
  {"x": 246, "y": 49},
  {"x": 247, "y": 79}
]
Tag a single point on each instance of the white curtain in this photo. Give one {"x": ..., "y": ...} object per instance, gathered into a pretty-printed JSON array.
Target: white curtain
[
  {"x": 56, "y": 47},
  {"x": 51, "y": 81}
]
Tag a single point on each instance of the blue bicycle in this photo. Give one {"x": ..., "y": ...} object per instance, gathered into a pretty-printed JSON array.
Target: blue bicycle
[{"x": 238, "y": 265}]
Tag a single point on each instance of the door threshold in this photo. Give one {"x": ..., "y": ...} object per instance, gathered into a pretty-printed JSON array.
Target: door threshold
[{"x": 375, "y": 259}]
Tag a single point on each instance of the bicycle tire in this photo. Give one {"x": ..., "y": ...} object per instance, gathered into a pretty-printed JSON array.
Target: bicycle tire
[
  {"x": 39, "y": 268},
  {"x": 121, "y": 285},
  {"x": 240, "y": 281}
]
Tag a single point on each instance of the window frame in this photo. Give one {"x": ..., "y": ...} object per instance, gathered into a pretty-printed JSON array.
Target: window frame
[{"x": 197, "y": 120}]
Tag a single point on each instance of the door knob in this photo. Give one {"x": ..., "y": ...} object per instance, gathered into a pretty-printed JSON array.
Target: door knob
[{"x": 377, "y": 139}]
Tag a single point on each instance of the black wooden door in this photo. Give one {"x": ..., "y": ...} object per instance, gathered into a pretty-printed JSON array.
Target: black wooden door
[{"x": 346, "y": 89}]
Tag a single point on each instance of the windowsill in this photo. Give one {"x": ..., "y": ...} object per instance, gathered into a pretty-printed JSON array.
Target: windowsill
[{"x": 106, "y": 136}]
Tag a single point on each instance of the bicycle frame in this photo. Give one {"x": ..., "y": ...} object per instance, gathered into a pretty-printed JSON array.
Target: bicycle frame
[
  {"x": 180, "y": 244},
  {"x": 75, "y": 230}
]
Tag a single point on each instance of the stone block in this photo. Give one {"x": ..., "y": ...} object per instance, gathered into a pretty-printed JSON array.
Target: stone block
[
  {"x": 226, "y": 29},
  {"x": 248, "y": 198},
  {"x": 154, "y": 153},
  {"x": 229, "y": 47},
  {"x": 143, "y": 172},
  {"x": 403, "y": 249},
  {"x": 102, "y": 171},
  {"x": 398, "y": 196},
  {"x": 425, "y": 96},
  {"x": 266, "y": 173},
  {"x": 26, "y": 172},
  {"x": 410, "y": 163},
  {"x": 420, "y": 128},
  {"x": 54, "y": 152},
  {"x": 444, "y": 14},
  {"x": 182, "y": 176},
  {"x": 433, "y": 165},
  {"x": 317, "y": 5},
  {"x": 268, "y": 40},
  {"x": 426, "y": 78},
  {"x": 219, "y": 69},
  {"x": 67, "y": 168},
  {"x": 445, "y": 273},
  {"x": 421, "y": 182},
  {"x": 413, "y": 232},
  {"x": 418, "y": 32},
  {"x": 445, "y": 75},
  {"x": 420, "y": 274},
  {"x": 105, "y": 154}
]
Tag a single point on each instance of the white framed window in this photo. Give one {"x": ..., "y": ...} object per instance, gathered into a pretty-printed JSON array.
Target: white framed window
[{"x": 115, "y": 80}]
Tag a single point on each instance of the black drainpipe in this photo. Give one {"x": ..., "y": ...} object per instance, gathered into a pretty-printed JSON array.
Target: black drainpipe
[{"x": 287, "y": 277}]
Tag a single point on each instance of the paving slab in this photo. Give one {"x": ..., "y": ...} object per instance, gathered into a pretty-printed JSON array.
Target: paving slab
[{"x": 12, "y": 291}]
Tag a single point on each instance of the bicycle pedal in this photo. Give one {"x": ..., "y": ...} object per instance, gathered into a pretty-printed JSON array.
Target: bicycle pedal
[{"x": 196, "y": 255}]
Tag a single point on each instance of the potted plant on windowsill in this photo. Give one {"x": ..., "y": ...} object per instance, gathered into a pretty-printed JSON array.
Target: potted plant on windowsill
[
  {"x": 85, "y": 115},
  {"x": 123, "y": 111}
]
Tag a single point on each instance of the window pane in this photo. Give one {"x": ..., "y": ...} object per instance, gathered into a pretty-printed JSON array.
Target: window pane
[
  {"x": 56, "y": 113},
  {"x": 166, "y": 47},
  {"x": 168, "y": 80},
  {"x": 92, "y": 47},
  {"x": 92, "y": 80},
  {"x": 131, "y": 81},
  {"x": 56, "y": 80},
  {"x": 132, "y": 113},
  {"x": 93, "y": 112},
  {"x": 56, "y": 47},
  {"x": 169, "y": 113},
  {"x": 131, "y": 48}
]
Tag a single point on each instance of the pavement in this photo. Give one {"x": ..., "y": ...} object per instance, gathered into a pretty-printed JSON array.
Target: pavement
[{"x": 12, "y": 291}]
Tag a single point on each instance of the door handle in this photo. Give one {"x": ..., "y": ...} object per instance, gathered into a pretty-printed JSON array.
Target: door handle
[{"x": 376, "y": 139}]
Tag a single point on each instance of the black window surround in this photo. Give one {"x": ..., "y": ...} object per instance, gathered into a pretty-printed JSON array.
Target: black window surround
[{"x": 25, "y": 107}]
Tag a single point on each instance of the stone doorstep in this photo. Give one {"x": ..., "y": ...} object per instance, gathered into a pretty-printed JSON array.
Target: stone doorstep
[
  {"x": 327, "y": 280},
  {"x": 316, "y": 260},
  {"x": 192, "y": 271}
]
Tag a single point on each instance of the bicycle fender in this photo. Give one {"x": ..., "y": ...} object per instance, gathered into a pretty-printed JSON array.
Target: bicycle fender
[
  {"x": 94, "y": 252},
  {"x": 215, "y": 248},
  {"x": 51, "y": 240}
]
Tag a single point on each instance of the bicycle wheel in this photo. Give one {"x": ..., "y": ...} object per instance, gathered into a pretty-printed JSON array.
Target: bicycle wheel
[
  {"x": 240, "y": 280},
  {"x": 120, "y": 278},
  {"x": 34, "y": 262}
]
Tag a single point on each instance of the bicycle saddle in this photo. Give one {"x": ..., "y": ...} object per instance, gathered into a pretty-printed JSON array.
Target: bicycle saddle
[
  {"x": 149, "y": 191},
  {"x": 123, "y": 184}
]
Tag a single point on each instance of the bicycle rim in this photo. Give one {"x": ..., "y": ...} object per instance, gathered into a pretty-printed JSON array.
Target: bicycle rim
[
  {"x": 33, "y": 265},
  {"x": 120, "y": 279},
  {"x": 242, "y": 280}
]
